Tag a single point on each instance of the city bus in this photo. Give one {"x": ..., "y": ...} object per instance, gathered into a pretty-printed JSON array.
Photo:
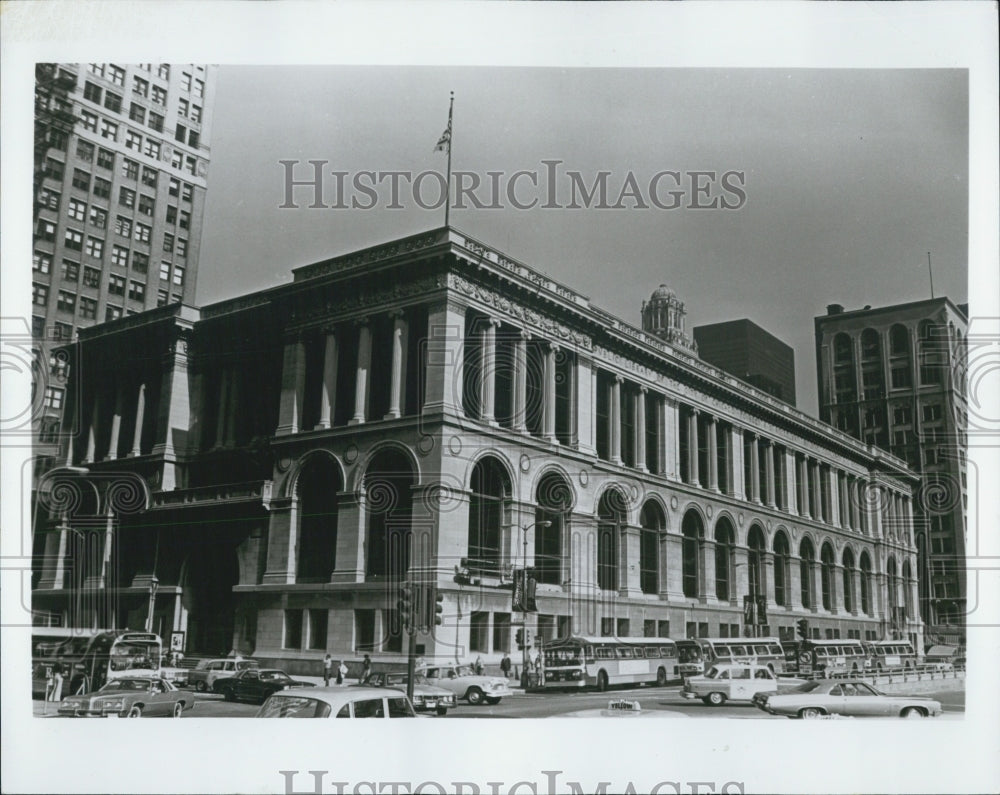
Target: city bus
[
  {"x": 891, "y": 655},
  {"x": 832, "y": 657},
  {"x": 700, "y": 654},
  {"x": 581, "y": 661},
  {"x": 88, "y": 659}
]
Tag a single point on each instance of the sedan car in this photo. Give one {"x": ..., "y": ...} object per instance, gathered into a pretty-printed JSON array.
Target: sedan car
[
  {"x": 129, "y": 697},
  {"x": 426, "y": 697},
  {"x": 202, "y": 677},
  {"x": 735, "y": 682},
  {"x": 466, "y": 683},
  {"x": 256, "y": 684},
  {"x": 338, "y": 702},
  {"x": 849, "y": 698}
]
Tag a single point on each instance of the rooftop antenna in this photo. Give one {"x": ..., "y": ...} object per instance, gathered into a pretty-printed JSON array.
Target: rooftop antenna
[{"x": 930, "y": 273}]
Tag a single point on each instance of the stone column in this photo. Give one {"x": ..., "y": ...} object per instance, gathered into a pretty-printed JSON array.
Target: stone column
[
  {"x": 397, "y": 383},
  {"x": 446, "y": 338},
  {"x": 140, "y": 417},
  {"x": 856, "y": 588},
  {"x": 754, "y": 468},
  {"x": 293, "y": 383},
  {"x": 282, "y": 541},
  {"x": 116, "y": 421},
  {"x": 671, "y": 439},
  {"x": 803, "y": 484},
  {"x": 640, "y": 430},
  {"x": 817, "y": 585},
  {"x": 874, "y": 512},
  {"x": 768, "y": 574},
  {"x": 735, "y": 471},
  {"x": 706, "y": 580},
  {"x": 549, "y": 416},
  {"x": 54, "y": 563},
  {"x": 615, "y": 420},
  {"x": 790, "y": 478},
  {"x": 520, "y": 396},
  {"x": 817, "y": 492},
  {"x": 363, "y": 373},
  {"x": 671, "y": 567},
  {"x": 739, "y": 585},
  {"x": 487, "y": 372},
  {"x": 586, "y": 385},
  {"x": 629, "y": 582},
  {"x": 92, "y": 430},
  {"x": 713, "y": 452},
  {"x": 173, "y": 420},
  {"x": 694, "y": 477},
  {"x": 845, "y": 519},
  {"x": 794, "y": 581},
  {"x": 328, "y": 393},
  {"x": 769, "y": 471}
]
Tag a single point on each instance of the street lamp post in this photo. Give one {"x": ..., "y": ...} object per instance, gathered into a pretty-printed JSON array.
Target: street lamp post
[{"x": 524, "y": 599}]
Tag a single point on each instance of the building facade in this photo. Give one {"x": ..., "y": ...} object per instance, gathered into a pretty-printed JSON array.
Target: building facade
[
  {"x": 744, "y": 349},
  {"x": 891, "y": 376},
  {"x": 433, "y": 408},
  {"x": 121, "y": 161}
]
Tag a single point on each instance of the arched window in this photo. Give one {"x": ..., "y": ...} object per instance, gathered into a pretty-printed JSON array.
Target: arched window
[
  {"x": 848, "y": 561},
  {"x": 316, "y": 489},
  {"x": 807, "y": 556},
  {"x": 755, "y": 561},
  {"x": 652, "y": 524},
  {"x": 827, "y": 571},
  {"x": 866, "y": 584},
  {"x": 389, "y": 482},
  {"x": 899, "y": 340},
  {"x": 724, "y": 540},
  {"x": 842, "y": 353},
  {"x": 693, "y": 534},
  {"x": 554, "y": 499},
  {"x": 490, "y": 488},
  {"x": 781, "y": 569},
  {"x": 890, "y": 571},
  {"x": 611, "y": 517}
]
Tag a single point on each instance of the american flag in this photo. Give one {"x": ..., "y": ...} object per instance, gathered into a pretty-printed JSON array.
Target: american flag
[{"x": 444, "y": 143}]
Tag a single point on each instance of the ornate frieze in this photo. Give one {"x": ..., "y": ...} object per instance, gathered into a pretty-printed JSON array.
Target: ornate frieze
[{"x": 369, "y": 256}]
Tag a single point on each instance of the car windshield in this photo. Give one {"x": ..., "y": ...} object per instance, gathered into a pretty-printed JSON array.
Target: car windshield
[
  {"x": 400, "y": 679},
  {"x": 274, "y": 675},
  {"x": 126, "y": 684},
  {"x": 464, "y": 670},
  {"x": 808, "y": 687},
  {"x": 242, "y": 665},
  {"x": 294, "y": 707},
  {"x": 713, "y": 673}
]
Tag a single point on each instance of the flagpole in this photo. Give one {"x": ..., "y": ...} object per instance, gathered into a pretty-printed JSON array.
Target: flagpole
[{"x": 447, "y": 185}]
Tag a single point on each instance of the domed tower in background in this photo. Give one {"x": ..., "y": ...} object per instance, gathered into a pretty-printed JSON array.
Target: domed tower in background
[{"x": 663, "y": 315}]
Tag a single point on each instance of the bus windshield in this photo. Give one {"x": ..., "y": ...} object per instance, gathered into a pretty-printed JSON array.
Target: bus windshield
[{"x": 132, "y": 654}]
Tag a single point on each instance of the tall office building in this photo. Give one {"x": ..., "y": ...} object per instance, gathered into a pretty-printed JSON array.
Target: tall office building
[
  {"x": 744, "y": 349},
  {"x": 888, "y": 377},
  {"x": 121, "y": 160}
]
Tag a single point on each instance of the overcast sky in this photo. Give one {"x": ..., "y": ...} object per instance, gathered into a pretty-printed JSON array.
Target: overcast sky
[{"x": 851, "y": 177}]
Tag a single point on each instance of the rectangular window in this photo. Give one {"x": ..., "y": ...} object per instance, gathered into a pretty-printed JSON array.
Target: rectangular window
[
  {"x": 53, "y": 397},
  {"x": 186, "y": 192},
  {"x": 37, "y": 326},
  {"x": 102, "y": 188},
  {"x": 168, "y": 242},
  {"x": 479, "y": 622},
  {"x": 317, "y": 629},
  {"x": 151, "y": 149},
  {"x": 137, "y": 112},
  {"x": 73, "y": 240},
  {"x": 67, "y": 301},
  {"x": 96, "y": 69},
  {"x": 133, "y": 140},
  {"x": 91, "y": 277},
  {"x": 149, "y": 176},
  {"x": 155, "y": 121},
  {"x": 185, "y": 220},
  {"x": 901, "y": 415},
  {"x": 180, "y": 134},
  {"x": 183, "y": 107},
  {"x": 92, "y": 92},
  {"x": 181, "y": 247},
  {"x": 116, "y": 284},
  {"x": 119, "y": 256},
  {"x": 191, "y": 164},
  {"x": 140, "y": 262},
  {"x": 193, "y": 140},
  {"x": 39, "y": 294},
  {"x": 126, "y": 198},
  {"x": 163, "y": 70},
  {"x": 109, "y": 129},
  {"x": 140, "y": 86},
  {"x": 41, "y": 262},
  {"x": 49, "y": 198},
  {"x": 901, "y": 377},
  {"x": 143, "y": 233},
  {"x": 88, "y": 308},
  {"x": 89, "y": 120},
  {"x": 70, "y": 271},
  {"x": 161, "y": 297},
  {"x": 293, "y": 630},
  {"x": 123, "y": 226},
  {"x": 116, "y": 75},
  {"x": 501, "y": 631},
  {"x": 77, "y": 210},
  {"x": 175, "y": 187},
  {"x": 146, "y": 205},
  {"x": 85, "y": 150},
  {"x": 81, "y": 179},
  {"x": 178, "y": 275},
  {"x": 159, "y": 95},
  {"x": 931, "y": 412},
  {"x": 195, "y": 113},
  {"x": 95, "y": 247},
  {"x": 165, "y": 271},
  {"x": 199, "y": 88},
  {"x": 113, "y": 102},
  {"x": 46, "y": 230},
  {"x": 105, "y": 159},
  {"x": 112, "y": 313},
  {"x": 171, "y": 214},
  {"x": 57, "y": 139},
  {"x": 54, "y": 169},
  {"x": 185, "y": 81},
  {"x": 62, "y": 331},
  {"x": 177, "y": 159},
  {"x": 98, "y": 218},
  {"x": 137, "y": 291}
]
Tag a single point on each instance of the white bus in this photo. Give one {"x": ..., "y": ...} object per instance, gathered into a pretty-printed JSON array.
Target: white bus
[
  {"x": 700, "y": 654},
  {"x": 834, "y": 657},
  {"x": 891, "y": 655},
  {"x": 581, "y": 661},
  {"x": 88, "y": 659}
]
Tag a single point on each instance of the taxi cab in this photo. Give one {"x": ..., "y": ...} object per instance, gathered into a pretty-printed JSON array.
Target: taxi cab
[{"x": 733, "y": 682}]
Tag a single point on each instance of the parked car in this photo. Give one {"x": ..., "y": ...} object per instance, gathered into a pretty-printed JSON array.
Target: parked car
[
  {"x": 129, "y": 697},
  {"x": 844, "y": 697},
  {"x": 256, "y": 684},
  {"x": 465, "y": 683},
  {"x": 338, "y": 702},
  {"x": 203, "y": 675},
  {"x": 426, "y": 697},
  {"x": 735, "y": 682}
]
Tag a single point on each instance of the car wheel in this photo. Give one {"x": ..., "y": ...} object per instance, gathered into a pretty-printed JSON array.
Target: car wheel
[
  {"x": 201, "y": 686},
  {"x": 442, "y": 711},
  {"x": 661, "y": 677},
  {"x": 810, "y": 712},
  {"x": 602, "y": 681},
  {"x": 178, "y": 709},
  {"x": 135, "y": 711},
  {"x": 492, "y": 700},
  {"x": 474, "y": 696},
  {"x": 912, "y": 712},
  {"x": 716, "y": 699}
]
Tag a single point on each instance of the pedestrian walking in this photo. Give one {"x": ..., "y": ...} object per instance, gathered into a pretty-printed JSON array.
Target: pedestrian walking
[
  {"x": 366, "y": 668},
  {"x": 55, "y": 692},
  {"x": 479, "y": 666},
  {"x": 341, "y": 672},
  {"x": 327, "y": 670},
  {"x": 505, "y": 665}
]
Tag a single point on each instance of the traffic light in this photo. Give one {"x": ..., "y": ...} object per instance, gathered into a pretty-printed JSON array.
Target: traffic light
[
  {"x": 438, "y": 608},
  {"x": 405, "y": 604},
  {"x": 527, "y": 638},
  {"x": 519, "y": 637},
  {"x": 803, "y": 628}
]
